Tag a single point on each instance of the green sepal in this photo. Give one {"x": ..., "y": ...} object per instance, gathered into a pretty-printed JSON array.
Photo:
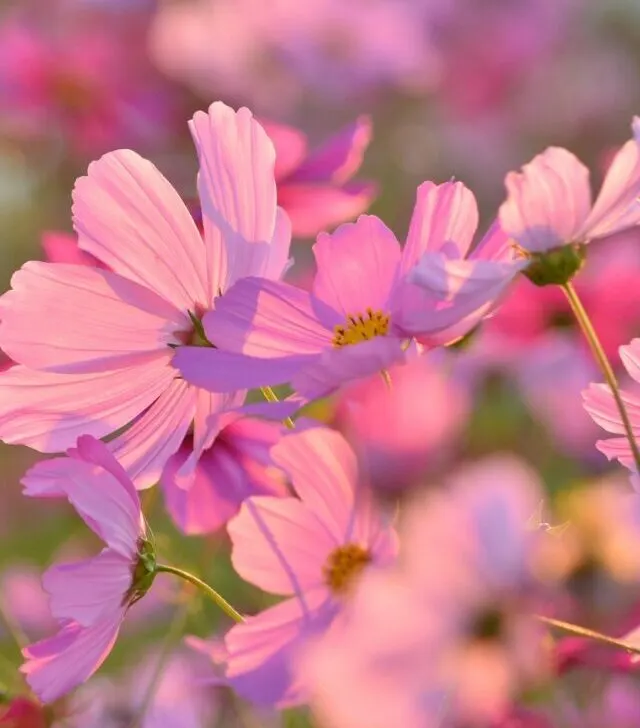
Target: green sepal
[{"x": 557, "y": 266}]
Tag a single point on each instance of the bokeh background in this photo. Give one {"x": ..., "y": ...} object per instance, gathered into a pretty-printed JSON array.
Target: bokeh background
[{"x": 455, "y": 88}]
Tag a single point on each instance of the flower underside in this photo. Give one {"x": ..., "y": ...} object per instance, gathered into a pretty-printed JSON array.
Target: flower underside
[
  {"x": 343, "y": 565},
  {"x": 362, "y": 328}
]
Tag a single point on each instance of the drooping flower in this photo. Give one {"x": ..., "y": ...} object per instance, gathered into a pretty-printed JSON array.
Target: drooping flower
[
  {"x": 549, "y": 208},
  {"x": 311, "y": 549},
  {"x": 314, "y": 188},
  {"x": 369, "y": 299},
  {"x": 600, "y": 404},
  {"x": 448, "y": 635},
  {"x": 90, "y": 598},
  {"x": 100, "y": 346}
]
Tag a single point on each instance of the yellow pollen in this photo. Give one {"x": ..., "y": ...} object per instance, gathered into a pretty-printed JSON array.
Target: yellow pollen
[
  {"x": 362, "y": 328},
  {"x": 344, "y": 565}
]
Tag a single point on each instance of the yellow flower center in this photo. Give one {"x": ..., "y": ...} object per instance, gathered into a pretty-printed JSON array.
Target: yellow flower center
[
  {"x": 362, "y": 328},
  {"x": 343, "y": 565}
]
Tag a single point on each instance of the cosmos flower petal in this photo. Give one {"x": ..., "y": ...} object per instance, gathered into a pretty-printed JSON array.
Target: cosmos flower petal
[
  {"x": 129, "y": 216},
  {"x": 56, "y": 665},
  {"x": 71, "y": 318},
  {"x": 63, "y": 248},
  {"x": 357, "y": 267},
  {"x": 290, "y": 145},
  {"x": 445, "y": 218},
  {"x": 548, "y": 202}
]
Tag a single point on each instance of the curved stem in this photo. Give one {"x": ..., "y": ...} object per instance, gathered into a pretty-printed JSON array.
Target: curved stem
[
  {"x": 271, "y": 396},
  {"x": 601, "y": 358},
  {"x": 211, "y": 593},
  {"x": 589, "y": 634}
]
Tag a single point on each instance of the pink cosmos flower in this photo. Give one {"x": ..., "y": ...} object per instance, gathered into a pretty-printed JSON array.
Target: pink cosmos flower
[
  {"x": 549, "y": 203},
  {"x": 236, "y": 464},
  {"x": 600, "y": 404},
  {"x": 369, "y": 299},
  {"x": 448, "y": 636},
  {"x": 309, "y": 548},
  {"x": 90, "y": 598},
  {"x": 314, "y": 187},
  {"x": 101, "y": 342},
  {"x": 62, "y": 247}
]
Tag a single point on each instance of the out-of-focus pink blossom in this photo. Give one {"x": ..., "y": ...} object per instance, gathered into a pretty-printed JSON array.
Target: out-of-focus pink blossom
[
  {"x": 311, "y": 549},
  {"x": 314, "y": 188},
  {"x": 23, "y": 713},
  {"x": 406, "y": 426},
  {"x": 22, "y": 596},
  {"x": 449, "y": 634}
]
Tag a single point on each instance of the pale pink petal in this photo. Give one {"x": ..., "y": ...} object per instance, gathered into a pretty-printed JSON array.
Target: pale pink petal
[
  {"x": 58, "y": 664},
  {"x": 262, "y": 651},
  {"x": 290, "y": 145},
  {"x": 130, "y": 217},
  {"x": 338, "y": 365},
  {"x": 63, "y": 248},
  {"x": 324, "y": 472},
  {"x": 37, "y": 410},
  {"x": 266, "y": 319},
  {"x": 237, "y": 192},
  {"x": 70, "y": 318},
  {"x": 495, "y": 245},
  {"x": 357, "y": 267},
  {"x": 445, "y": 218},
  {"x": 618, "y": 448},
  {"x": 313, "y": 207},
  {"x": 45, "y": 479},
  {"x": 224, "y": 371},
  {"x": 548, "y": 202},
  {"x": 339, "y": 158},
  {"x": 617, "y": 207},
  {"x": 88, "y": 591},
  {"x": 146, "y": 446},
  {"x": 600, "y": 404},
  {"x": 630, "y": 356},
  {"x": 280, "y": 545}
]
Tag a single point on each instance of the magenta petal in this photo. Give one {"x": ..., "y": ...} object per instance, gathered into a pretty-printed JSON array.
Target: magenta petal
[
  {"x": 290, "y": 145},
  {"x": 445, "y": 218},
  {"x": 131, "y": 218},
  {"x": 357, "y": 267},
  {"x": 548, "y": 202},
  {"x": 495, "y": 245},
  {"x": 88, "y": 591},
  {"x": 58, "y": 664},
  {"x": 262, "y": 651},
  {"x": 63, "y": 248},
  {"x": 48, "y": 411},
  {"x": 339, "y": 158},
  {"x": 339, "y": 365},
  {"x": 71, "y": 318},
  {"x": 313, "y": 207},
  {"x": 224, "y": 371}
]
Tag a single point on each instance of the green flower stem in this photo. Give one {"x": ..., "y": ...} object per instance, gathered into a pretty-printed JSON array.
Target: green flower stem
[
  {"x": 589, "y": 634},
  {"x": 271, "y": 396},
  {"x": 211, "y": 593},
  {"x": 601, "y": 358}
]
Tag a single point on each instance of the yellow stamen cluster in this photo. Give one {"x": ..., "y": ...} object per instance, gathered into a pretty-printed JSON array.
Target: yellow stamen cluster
[
  {"x": 343, "y": 565},
  {"x": 362, "y": 328}
]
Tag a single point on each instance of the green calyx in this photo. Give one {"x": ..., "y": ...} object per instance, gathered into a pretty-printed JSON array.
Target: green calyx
[
  {"x": 143, "y": 573},
  {"x": 557, "y": 266},
  {"x": 198, "y": 335}
]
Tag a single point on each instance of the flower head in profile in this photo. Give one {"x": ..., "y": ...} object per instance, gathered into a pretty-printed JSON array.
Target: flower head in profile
[
  {"x": 99, "y": 352},
  {"x": 448, "y": 635},
  {"x": 90, "y": 598},
  {"x": 370, "y": 297},
  {"x": 549, "y": 213},
  {"x": 311, "y": 549},
  {"x": 315, "y": 187}
]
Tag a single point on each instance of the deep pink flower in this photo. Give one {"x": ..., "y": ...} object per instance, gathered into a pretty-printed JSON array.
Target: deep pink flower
[
  {"x": 309, "y": 548},
  {"x": 100, "y": 344},
  {"x": 448, "y": 636},
  {"x": 62, "y": 247},
  {"x": 90, "y": 598},
  {"x": 600, "y": 404},
  {"x": 369, "y": 298},
  {"x": 549, "y": 202},
  {"x": 314, "y": 188}
]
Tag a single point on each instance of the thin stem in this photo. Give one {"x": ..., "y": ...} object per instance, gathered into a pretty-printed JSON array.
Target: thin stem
[
  {"x": 271, "y": 396},
  {"x": 589, "y": 634},
  {"x": 601, "y": 358},
  {"x": 386, "y": 378},
  {"x": 211, "y": 593}
]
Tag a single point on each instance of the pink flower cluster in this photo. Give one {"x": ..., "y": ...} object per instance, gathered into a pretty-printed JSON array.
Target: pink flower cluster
[{"x": 144, "y": 352}]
